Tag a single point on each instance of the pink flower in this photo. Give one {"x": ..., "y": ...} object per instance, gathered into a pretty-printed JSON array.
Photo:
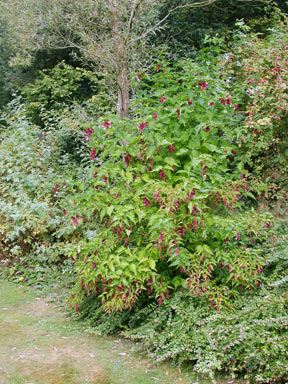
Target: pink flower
[
  {"x": 139, "y": 77},
  {"x": 105, "y": 178},
  {"x": 55, "y": 190},
  {"x": 116, "y": 195},
  {"x": 93, "y": 154},
  {"x": 161, "y": 237},
  {"x": 75, "y": 221},
  {"x": 207, "y": 129},
  {"x": 276, "y": 117},
  {"x": 189, "y": 102},
  {"x": 235, "y": 106},
  {"x": 211, "y": 103},
  {"x": 176, "y": 251},
  {"x": 162, "y": 175},
  {"x": 203, "y": 85},
  {"x": 88, "y": 133},
  {"x": 182, "y": 269},
  {"x": 192, "y": 194},
  {"x": 172, "y": 148},
  {"x": 107, "y": 124},
  {"x": 162, "y": 99},
  {"x": 141, "y": 126},
  {"x": 195, "y": 209},
  {"x": 178, "y": 114},
  {"x": 146, "y": 202},
  {"x": 237, "y": 236},
  {"x": 64, "y": 212},
  {"x": 225, "y": 240},
  {"x": 155, "y": 116},
  {"x": 177, "y": 202},
  {"x": 74, "y": 203},
  {"x": 158, "y": 67},
  {"x": 95, "y": 174},
  {"x": 226, "y": 101}
]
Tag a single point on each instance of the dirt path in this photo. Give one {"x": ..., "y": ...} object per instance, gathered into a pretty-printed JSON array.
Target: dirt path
[{"x": 38, "y": 345}]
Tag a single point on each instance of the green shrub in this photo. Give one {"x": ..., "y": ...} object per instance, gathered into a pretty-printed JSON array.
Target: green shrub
[
  {"x": 248, "y": 341},
  {"x": 166, "y": 197},
  {"x": 59, "y": 89},
  {"x": 257, "y": 70},
  {"x": 29, "y": 183}
]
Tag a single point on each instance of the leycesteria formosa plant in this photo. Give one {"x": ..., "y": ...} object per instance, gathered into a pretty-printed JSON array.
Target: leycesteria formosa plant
[{"x": 166, "y": 199}]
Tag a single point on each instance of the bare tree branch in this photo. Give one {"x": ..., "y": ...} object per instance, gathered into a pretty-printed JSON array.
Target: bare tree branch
[
  {"x": 202, "y": 3},
  {"x": 132, "y": 16},
  {"x": 157, "y": 25}
]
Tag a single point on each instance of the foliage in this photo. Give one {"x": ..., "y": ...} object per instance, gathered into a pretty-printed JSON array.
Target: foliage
[
  {"x": 160, "y": 211},
  {"x": 166, "y": 194},
  {"x": 61, "y": 87},
  {"x": 218, "y": 18},
  {"x": 29, "y": 213},
  {"x": 257, "y": 70},
  {"x": 249, "y": 340}
]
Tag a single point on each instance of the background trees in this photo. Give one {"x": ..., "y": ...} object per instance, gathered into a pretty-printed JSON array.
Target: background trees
[{"x": 117, "y": 34}]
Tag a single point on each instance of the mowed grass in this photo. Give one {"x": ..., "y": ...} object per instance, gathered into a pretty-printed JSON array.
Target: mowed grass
[{"x": 39, "y": 345}]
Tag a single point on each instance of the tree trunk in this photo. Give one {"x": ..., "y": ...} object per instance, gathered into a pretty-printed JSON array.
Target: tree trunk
[
  {"x": 123, "y": 91},
  {"x": 120, "y": 52}
]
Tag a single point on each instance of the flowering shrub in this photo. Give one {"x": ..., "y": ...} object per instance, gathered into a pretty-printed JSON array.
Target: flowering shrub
[
  {"x": 165, "y": 197},
  {"x": 248, "y": 340},
  {"x": 258, "y": 73}
]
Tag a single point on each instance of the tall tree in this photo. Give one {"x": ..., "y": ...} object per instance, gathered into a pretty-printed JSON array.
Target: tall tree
[{"x": 110, "y": 33}]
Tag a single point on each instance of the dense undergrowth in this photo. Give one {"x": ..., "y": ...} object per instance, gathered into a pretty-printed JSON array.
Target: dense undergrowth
[
  {"x": 170, "y": 224},
  {"x": 249, "y": 339}
]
